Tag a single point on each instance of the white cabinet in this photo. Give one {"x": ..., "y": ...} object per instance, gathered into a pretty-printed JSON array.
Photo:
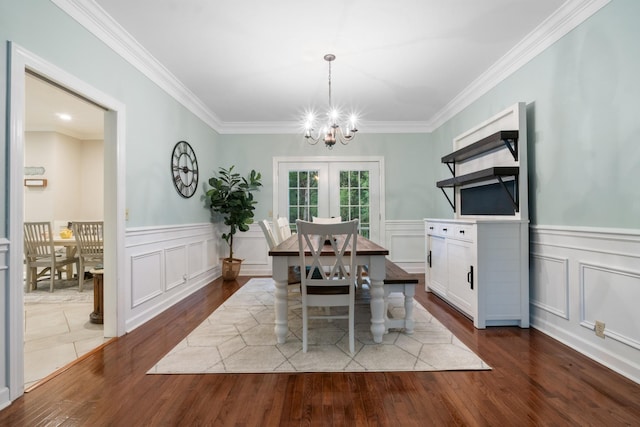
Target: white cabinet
[{"x": 481, "y": 268}]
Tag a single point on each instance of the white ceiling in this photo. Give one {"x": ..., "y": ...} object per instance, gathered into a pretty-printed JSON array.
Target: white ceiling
[
  {"x": 256, "y": 62},
  {"x": 43, "y": 104}
]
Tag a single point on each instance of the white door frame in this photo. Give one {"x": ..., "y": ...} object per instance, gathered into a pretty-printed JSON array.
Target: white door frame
[
  {"x": 331, "y": 159},
  {"x": 114, "y": 201}
]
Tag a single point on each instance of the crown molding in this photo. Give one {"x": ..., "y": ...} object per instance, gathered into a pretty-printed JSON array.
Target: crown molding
[
  {"x": 571, "y": 14},
  {"x": 90, "y": 15},
  {"x": 295, "y": 128}
]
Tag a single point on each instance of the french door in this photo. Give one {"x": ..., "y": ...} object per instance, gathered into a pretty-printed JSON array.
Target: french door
[{"x": 330, "y": 188}]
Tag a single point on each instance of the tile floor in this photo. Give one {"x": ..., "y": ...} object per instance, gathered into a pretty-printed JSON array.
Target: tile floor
[{"x": 56, "y": 332}]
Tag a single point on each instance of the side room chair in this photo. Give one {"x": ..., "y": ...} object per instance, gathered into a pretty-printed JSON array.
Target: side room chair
[
  {"x": 39, "y": 252},
  {"x": 330, "y": 279},
  {"x": 89, "y": 238}
]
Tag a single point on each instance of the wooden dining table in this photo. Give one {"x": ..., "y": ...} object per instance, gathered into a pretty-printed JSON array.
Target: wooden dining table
[
  {"x": 368, "y": 253},
  {"x": 71, "y": 248}
]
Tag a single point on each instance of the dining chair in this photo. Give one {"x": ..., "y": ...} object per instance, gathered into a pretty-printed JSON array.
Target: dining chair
[
  {"x": 335, "y": 219},
  {"x": 89, "y": 237},
  {"x": 268, "y": 234},
  {"x": 39, "y": 252},
  {"x": 329, "y": 281},
  {"x": 321, "y": 220},
  {"x": 294, "y": 271},
  {"x": 283, "y": 229}
]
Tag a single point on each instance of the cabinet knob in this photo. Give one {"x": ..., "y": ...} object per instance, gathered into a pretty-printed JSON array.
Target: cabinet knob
[
  {"x": 444, "y": 229},
  {"x": 430, "y": 228},
  {"x": 461, "y": 231}
]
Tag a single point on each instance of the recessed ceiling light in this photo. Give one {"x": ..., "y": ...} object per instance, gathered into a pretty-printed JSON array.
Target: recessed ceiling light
[{"x": 64, "y": 116}]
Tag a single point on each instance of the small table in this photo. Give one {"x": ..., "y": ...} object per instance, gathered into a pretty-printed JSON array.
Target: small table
[
  {"x": 71, "y": 247},
  {"x": 98, "y": 296}
]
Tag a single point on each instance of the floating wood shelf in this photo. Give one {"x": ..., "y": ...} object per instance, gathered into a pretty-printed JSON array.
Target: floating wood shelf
[
  {"x": 508, "y": 138},
  {"x": 481, "y": 175}
]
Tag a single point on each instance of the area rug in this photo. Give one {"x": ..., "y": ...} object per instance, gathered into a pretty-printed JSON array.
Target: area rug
[
  {"x": 63, "y": 291},
  {"x": 239, "y": 338}
]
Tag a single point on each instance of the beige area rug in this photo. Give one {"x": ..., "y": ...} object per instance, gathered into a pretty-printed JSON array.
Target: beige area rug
[{"x": 239, "y": 337}]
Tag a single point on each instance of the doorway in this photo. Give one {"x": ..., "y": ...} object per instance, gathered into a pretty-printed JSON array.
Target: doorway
[
  {"x": 330, "y": 187},
  {"x": 22, "y": 61},
  {"x": 64, "y": 156}
]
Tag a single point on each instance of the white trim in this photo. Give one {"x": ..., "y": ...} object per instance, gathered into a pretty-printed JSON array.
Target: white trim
[
  {"x": 571, "y": 14},
  {"x": 333, "y": 159},
  {"x": 90, "y": 15},
  {"x": 20, "y": 60}
]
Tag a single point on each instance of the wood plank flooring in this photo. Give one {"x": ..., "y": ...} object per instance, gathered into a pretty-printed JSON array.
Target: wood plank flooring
[{"x": 535, "y": 381}]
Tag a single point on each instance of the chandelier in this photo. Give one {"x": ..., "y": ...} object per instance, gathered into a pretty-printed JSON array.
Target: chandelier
[{"x": 331, "y": 131}]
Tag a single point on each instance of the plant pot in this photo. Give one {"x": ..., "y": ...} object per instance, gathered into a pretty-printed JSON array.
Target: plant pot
[{"x": 231, "y": 268}]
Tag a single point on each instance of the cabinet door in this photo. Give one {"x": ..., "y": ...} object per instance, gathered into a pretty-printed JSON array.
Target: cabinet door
[
  {"x": 437, "y": 268},
  {"x": 461, "y": 275}
]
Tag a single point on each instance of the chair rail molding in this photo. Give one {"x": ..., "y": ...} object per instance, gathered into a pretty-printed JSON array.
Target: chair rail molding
[
  {"x": 164, "y": 265},
  {"x": 581, "y": 275}
]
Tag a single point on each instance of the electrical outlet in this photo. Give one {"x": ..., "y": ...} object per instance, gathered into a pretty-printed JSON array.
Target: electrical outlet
[
  {"x": 126, "y": 214},
  {"x": 599, "y": 329}
]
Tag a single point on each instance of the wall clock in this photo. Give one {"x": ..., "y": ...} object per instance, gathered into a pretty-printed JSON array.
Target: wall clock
[{"x": 184, "y": 168}]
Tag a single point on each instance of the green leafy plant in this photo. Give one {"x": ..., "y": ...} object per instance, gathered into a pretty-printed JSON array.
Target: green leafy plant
[{"x": 231, "y": 197}]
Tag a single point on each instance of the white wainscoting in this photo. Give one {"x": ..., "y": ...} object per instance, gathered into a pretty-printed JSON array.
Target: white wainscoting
[
  {"x": 583, "y": 275},
  {"x": 166, "y": 264},
  {"x": 406, "y": 243}
]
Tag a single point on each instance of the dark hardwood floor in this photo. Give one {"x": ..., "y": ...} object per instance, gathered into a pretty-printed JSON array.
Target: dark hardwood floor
[{"x": 535, "y": 381}]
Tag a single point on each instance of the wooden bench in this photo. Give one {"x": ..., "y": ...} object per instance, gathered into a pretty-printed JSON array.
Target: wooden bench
[{"x": 398, "y": 280}]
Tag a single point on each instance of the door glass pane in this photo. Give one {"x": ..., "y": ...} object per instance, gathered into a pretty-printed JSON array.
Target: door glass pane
[
  {"x": 303, "y": 196},
  {"x": 354, "y": 199}
]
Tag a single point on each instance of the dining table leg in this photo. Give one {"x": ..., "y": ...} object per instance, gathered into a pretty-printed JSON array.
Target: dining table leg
[
  {"x": 281, "y": 278},
  {"x": 377, "y": 273}
]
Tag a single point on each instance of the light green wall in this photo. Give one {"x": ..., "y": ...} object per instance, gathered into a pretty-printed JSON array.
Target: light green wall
[
  {"x": 583, "y": 123},
  {"x": 582, "y": 109},
  {"x": 408, "y": 162},
  {"x": 154, "y": 120}
]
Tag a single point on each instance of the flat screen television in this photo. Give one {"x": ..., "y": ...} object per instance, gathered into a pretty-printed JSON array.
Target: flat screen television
[{"x": 490, "y": 199}]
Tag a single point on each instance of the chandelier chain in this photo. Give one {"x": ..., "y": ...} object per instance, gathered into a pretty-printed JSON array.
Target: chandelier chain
[{"x": 330, "y": 103}]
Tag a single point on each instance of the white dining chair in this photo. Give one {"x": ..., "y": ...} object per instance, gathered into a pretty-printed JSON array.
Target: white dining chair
[
  {"x": 39, "y": 252},
  {"x": 321, "y": 220},
  {"x": 333, "y": 220},
  {"x": 283, "y": 229},
  {"x": 89, "y": 237},
  {"x": 268, "y": 233},
  {"x": 329, "y": 281},
  {"x": 294, "y": 271}
]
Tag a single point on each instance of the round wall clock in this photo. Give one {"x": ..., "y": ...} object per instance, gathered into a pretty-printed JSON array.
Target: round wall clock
[{"x": 184, "y": 168}]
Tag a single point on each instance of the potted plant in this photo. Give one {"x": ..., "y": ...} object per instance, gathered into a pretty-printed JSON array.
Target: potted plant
[{"x": 231, "y": 197}]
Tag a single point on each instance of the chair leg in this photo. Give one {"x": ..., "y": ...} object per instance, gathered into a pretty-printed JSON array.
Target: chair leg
[
  {"x": 80, "y": 274},
  {"x": 352, "y": 332},
  {"x": 28, "y": 280},
  {"x": 305, "y": 326},
  {"x": 52, "y": 276}
]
